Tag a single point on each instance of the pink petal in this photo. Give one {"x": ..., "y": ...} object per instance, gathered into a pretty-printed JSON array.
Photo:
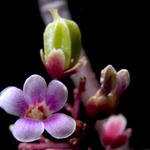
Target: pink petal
[
  {"x": 27, "y": 130},
  {"x": 12, "y": 101},
  {"x": 119, "y": 141},
  {"x": 35, "y": 89},
  {"x": 57, "y": 95},
  {"x": 54, "y": 62},
  {"x": 60, "y": 126},
  {"x": 114, "y": 126}
]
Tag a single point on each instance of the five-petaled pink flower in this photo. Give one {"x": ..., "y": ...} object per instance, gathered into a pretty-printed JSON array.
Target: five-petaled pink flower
[
  {"x": 114, "y": 134},
  {"x": 36, "y": 106}
]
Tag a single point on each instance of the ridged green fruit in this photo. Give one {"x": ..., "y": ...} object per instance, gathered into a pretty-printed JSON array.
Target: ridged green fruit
[{"x": 63, "y": 34}]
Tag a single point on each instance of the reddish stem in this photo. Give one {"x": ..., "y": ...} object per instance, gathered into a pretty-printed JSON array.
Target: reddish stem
[
  {"x": 78, "y": 97},
  {"x": 79, "y": 66},
  {"x": 46, "y": 144},
  {"x": 69, "y": 108},
  {"x": 42, "y": 146}
]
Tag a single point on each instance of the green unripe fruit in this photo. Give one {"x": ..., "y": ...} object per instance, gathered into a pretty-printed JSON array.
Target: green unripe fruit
[{"x": 65, "y": 35}]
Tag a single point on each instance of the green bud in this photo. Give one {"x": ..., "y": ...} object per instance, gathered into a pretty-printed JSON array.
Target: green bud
[{"x": 64, "y": 35}]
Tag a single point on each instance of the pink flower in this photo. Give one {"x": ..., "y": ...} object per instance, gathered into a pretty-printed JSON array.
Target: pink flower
[
  {"x": 36, "y": 106},
  {"x": 114, "y": 134}
]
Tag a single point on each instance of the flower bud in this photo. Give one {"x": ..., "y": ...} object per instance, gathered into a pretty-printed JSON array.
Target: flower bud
[
  {"x": 100, "y": 106},
  {"x": 106, "y": 99},
  {"x": 108, "y": 79},
  {"x": 61, "y": 35},
  {"x": 114, "y": 133}
]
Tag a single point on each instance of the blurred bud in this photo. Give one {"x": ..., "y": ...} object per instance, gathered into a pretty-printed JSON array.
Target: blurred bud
[
  {"x": 106, "y": 99},
  {"x": 123, "y": 80},
  {"x": 11, "y": 127},
  {"x": 114, "y": 134},
  {"x": 62, "y": 45}
]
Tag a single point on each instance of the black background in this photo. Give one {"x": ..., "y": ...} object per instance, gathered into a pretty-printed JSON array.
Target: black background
[{"x": 112, "y": 33}]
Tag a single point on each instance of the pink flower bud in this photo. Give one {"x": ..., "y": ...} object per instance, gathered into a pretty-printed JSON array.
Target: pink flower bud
[{"x": 114, "y": 134}]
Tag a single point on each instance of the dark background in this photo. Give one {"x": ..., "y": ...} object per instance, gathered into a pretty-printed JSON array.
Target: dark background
[{"x": 112, "y": 33}]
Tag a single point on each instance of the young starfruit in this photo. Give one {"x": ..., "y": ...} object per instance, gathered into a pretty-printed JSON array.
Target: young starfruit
[{"x": 62, "y": 45}]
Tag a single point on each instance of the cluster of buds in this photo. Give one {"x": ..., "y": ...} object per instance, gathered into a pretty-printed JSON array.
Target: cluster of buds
[
  {"x": 62, "y": 47},
  {"x": 106, "y": 99}
]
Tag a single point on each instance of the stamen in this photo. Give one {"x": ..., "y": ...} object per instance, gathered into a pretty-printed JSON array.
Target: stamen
[{"x": 38, "y": 111}]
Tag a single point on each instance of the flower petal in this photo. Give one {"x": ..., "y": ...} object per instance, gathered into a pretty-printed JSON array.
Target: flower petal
[
  {"x": 35, "y": 89},
  {"x": 54, "y": 62},
  {"x": 27, "y": 130},
  {"x": 119, "y": 141},
  {"x": 60, "y": 126},
  {"x": 12, "y": 101},
  {"x": 57, "y": 95},
  {"x": 114, "y": 126}
]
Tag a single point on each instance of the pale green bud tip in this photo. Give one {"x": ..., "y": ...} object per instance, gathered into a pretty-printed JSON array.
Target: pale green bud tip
[{"x": 54, "y": 13}]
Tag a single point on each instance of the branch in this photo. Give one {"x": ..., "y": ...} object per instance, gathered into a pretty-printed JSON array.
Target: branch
[
  {"x": 92, "y": 83},
  {"x": 45, "y": 144},
  {"x": 77, "y": 94},
  {"x": 78, "y": 97}
]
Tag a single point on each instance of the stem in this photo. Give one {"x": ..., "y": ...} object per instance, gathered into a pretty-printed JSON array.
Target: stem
[
  {"x": 92, "y": 84},
  {"x": 43, "y": 146},
  {"x": 77, "y": 98},
  {"x": 77, "y": 68},
  {"x": 46, "y": 144},
  {"x": 77, "y": 94},
  {"x": 69, "y": 108},
  {"x": 54, "y": 14},
  {"x": 45, "y": 5}
]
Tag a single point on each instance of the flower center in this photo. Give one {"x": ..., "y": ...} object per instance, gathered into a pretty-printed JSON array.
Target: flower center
[{"x": 39, "y": 112}]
